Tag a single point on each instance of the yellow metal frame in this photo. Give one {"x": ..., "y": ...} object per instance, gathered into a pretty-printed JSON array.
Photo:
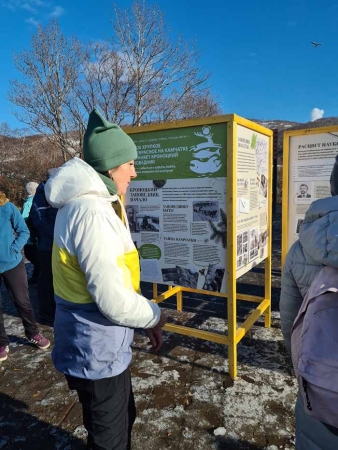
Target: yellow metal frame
[
  {"x": 285, "y": 180},
  {"x": 235, "y": 334}
]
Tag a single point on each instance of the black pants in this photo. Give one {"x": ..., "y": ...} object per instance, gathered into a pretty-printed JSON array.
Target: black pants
[
  {"x": 108, "y": 409},
  {"x": 32, "y": 254},
  {"x": 17, "y": 287},
  {"x": 45, "y": 288}
]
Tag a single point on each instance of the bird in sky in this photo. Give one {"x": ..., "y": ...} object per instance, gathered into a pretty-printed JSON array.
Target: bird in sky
[{"x": 316, "y": 44}]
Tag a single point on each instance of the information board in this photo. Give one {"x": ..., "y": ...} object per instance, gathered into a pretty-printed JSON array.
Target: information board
[
  {"x": 252, "y": 194},
  {"x": 176, "y": 207},
  {"x": 309, "y": 156}
]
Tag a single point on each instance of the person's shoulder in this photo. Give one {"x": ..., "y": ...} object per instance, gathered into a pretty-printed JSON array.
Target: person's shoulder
[
  {"x": 11, "y": 206},
  {"x": 294, "y": 254},
  {"x": 11, "y": 209},
  {"x": 39, "y": 194}
]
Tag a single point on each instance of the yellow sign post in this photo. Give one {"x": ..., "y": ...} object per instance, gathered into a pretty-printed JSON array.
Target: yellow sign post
[
  {"x": 308, "y": 158},
  {"x": 191, "y": 186}
]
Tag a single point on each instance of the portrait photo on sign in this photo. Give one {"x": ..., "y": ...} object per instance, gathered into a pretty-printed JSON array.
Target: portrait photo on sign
[
  {"x": 205, "y": 211},
  {"x": 304, "y": 191},
  {"x": 131, "y": 211}
]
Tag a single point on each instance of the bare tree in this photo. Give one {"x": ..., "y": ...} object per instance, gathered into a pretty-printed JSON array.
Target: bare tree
[
  {"x": 23, "y": 158},
  {"x": 50, "y": 72},
  {"x": 164, "y": 73},
  {"x": 105, "y": 83},
  {"x": 140, "y": 77},
  {"x": 192, "y": 106}
]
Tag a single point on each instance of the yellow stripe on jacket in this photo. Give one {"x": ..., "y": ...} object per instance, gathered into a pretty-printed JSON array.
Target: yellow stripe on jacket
[{"x": 70, "y": 282}]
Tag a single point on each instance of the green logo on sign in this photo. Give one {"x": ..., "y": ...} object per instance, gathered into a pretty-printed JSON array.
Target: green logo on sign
[{"x": 150, "y": 251}]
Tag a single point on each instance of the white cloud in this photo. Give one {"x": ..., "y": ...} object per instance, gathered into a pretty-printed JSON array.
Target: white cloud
[
  {"x": 28, "y": 5},
  {"x": 316, "y": 113},
  {"x": 32, "y": 21},
  {"x": 57, "y": 12},
  {"x": 39, "y": 8}
]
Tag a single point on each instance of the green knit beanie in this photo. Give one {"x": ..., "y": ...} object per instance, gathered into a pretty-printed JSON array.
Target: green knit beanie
[{"x": 106, "y": 145}]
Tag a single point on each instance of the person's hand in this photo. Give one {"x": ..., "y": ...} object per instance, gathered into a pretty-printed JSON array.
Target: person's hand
[
  {"x": 155, "y": 334},
  {"x": 155, "y": 338},
  {"x": 163, "y": 320}
]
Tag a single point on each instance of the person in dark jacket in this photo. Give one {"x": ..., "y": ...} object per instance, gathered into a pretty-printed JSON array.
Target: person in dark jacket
[
  {"x": 13, "y": 236},
  {"x": 317, "y": 247},
  {"x": 31, "y": 248},
  {"x": 43, "y": 217}
]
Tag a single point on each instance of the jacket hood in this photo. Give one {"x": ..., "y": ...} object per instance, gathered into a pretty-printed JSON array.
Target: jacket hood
[
  {"x": 74, "y": 179},
  {"x": 318, "y": 233}
]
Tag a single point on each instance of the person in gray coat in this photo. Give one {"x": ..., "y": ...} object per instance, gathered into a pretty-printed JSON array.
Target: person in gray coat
[{"x": 317, "y": 247}]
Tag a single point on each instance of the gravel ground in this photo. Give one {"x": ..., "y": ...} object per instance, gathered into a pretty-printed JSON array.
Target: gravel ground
[{"x": 185, "y": 397}]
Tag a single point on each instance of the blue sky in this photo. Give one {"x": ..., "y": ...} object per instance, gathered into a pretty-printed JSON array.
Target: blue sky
[{"x": 259, "y": 52}]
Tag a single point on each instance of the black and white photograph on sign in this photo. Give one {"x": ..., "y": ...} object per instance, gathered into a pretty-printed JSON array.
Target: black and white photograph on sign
[
  {"x": 299, "y": 222},
  {"x": 245, "y": 258},
  {"x": 263, "y": 186},
  {"x": 263, "y": 238},
  {"x": 187, "y": 277},
  {"x": 304, "y": 191},
  {"x": 170, "y": 275},
  {"x": 214, "y": 278},
  {"x": 147, "y": 222},
  {"x": 205, "y": 211},
  {"x": 239, "y": 244},
  {"x": 239, "y": 262},
  {"x": 254, "y": 240},
  {"x": 245, "y": 237},
  {"x": 131, "y": 211}
]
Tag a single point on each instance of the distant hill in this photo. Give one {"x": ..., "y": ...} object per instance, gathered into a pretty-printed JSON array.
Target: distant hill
[
  {"x": 281, "y": 125},
  {"x": 284, "y": 125}
]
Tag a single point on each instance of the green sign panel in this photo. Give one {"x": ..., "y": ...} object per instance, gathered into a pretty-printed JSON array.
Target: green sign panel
[{"x": 181, "y": 153}]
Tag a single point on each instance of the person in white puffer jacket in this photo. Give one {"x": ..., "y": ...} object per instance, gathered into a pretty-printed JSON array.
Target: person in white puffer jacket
[{"x": 96, "y": 277}]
